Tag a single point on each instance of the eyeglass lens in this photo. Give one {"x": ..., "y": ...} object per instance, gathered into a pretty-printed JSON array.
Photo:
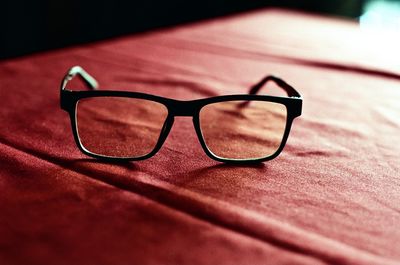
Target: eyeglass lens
[
  {"x": 119, "y": 127},
  {"x": 243, "y": 129}
]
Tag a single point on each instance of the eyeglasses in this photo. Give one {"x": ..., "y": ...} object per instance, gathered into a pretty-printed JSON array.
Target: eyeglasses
[{"x": 120, "y": 125}]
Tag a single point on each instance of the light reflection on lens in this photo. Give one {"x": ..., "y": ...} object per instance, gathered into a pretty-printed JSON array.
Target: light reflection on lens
[
  {"x": 119, "y": 127},
  {"x": 243, "y": 129}
]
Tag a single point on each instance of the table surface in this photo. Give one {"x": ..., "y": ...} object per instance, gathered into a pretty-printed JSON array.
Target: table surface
[{"x": 331, "y": 197}]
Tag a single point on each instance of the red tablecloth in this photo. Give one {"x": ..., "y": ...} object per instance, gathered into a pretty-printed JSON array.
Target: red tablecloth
[{"x": 331, "y": 197}]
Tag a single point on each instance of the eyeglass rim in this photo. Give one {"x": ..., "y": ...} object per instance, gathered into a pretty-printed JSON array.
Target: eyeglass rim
[{"x": 69, "y": 100}]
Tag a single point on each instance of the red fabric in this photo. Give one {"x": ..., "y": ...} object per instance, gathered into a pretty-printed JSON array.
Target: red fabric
[{"x": 331, "y": 197}]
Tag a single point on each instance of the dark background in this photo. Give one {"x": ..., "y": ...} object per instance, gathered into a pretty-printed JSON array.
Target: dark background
[{"x": 30, "y": 26}]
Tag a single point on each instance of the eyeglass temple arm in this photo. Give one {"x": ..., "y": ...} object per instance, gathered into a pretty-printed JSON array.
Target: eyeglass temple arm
[
  {"x": 89, "y": 81},
  {"x": 291, "y": 92}
]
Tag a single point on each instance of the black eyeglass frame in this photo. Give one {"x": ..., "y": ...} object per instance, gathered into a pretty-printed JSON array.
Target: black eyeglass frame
[{"x": 191, "y": 108}]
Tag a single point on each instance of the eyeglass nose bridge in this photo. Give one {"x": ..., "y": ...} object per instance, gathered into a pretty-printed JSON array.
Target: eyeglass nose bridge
[{"x": 184, "y": 108}]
